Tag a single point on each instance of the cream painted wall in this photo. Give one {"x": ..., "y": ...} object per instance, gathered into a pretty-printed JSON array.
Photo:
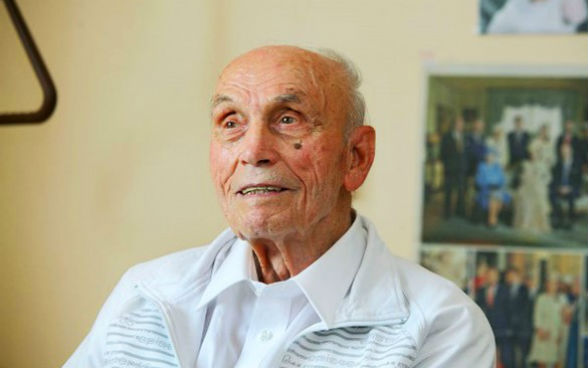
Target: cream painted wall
[{"x": 119, "y": 174}]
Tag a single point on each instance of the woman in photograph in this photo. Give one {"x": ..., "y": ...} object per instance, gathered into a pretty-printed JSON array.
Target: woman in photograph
[
  {"x": 547, "y": 319},
  {"x": 532, "y": 208},
  {"x": 543, "y": 148},
  {"x": 497, "y": 142},
  {"x": 491, "y": 187}
]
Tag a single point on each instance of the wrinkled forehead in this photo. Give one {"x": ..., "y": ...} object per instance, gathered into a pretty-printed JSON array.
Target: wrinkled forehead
[{"x": 278, "y": 70}]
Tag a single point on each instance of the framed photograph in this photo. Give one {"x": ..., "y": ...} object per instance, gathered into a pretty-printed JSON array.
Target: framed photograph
[
  {"x": 534, "y": 302},
  {"x": 533, "y": 16},
  {"x": 506, "y": 157}
]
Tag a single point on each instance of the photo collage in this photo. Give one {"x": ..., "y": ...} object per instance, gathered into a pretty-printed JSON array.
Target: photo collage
[{"x": 505, "y": 207}]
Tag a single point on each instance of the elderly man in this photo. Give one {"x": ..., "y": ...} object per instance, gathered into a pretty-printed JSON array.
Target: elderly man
[{"x": 300, "y": 279}]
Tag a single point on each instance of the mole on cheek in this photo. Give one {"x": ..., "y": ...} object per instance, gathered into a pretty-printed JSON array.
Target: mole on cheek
[{"x": 298, "y": 145}]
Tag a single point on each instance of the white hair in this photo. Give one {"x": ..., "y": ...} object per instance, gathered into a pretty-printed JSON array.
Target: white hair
[{"x": 357, "y": 109}]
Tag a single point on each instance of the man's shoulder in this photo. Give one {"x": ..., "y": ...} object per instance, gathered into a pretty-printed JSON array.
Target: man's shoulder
[
  {"x": 438, "y": 316},
  {"x": 177, "y": 265},
  {"x": 420, "y": 287},
  {"x": 437, "y": 313},
  {"x": 174, "y": 262},
  {"x": 433, "y": 299}
]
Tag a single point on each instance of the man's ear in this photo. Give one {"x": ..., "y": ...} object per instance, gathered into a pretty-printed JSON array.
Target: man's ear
[{"x": 362, "y": 149}]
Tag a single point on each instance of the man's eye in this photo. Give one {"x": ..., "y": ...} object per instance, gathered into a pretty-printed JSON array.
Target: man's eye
[
  {"x": 287, "y": 120},
  {"x": 230, "y": 124}
]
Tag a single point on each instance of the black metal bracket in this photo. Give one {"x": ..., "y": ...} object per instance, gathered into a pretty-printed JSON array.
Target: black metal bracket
[{"x": 43, "y": 76}]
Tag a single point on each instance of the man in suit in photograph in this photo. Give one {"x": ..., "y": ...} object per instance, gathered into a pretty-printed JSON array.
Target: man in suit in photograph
[
  {"x": 565, "y": 187},
  {"x": 568, "y": 136},
  {"x": 494, "y": 300},
  {"x": 521, "y": 316},
  {"x": 476, "y": 147},
  {"x": 454, "y": 158},
  {"x": 518, "y": 141}
]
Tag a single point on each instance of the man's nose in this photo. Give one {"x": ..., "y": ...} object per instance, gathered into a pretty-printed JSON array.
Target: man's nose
[{"x": 258, "y": 145}]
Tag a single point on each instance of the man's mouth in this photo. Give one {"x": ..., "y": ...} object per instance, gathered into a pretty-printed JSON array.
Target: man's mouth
[{"x": 260, "y": 189}]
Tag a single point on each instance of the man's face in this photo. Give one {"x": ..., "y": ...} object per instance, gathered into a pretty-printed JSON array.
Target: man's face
[
  {"x": 458, "y": 124},
  {"x": 278, "y": 156},
  {"x": 513, "y": 277},
  {"x": 478, "y": 126},
  {"x": 493, "y": 276}
]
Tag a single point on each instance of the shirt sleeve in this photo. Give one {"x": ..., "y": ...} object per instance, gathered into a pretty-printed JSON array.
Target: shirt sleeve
[
  {"x": 89, "y": 353},
  {"x": 459, "y": 336}
]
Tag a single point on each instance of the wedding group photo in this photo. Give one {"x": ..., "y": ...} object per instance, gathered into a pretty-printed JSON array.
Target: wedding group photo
[{"x": 506, "y": 161}]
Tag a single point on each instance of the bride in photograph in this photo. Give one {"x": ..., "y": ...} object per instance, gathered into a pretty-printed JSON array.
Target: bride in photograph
[{"x": 531, "y": 207}]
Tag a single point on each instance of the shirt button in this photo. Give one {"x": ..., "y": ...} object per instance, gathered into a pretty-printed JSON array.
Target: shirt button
[{"x": 265, "y": 335}]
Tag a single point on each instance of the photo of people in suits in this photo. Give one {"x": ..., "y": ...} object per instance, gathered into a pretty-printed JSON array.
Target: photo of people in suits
[
  {"x": 533, "y": 302},
  {"x": 506, "y": 161}
]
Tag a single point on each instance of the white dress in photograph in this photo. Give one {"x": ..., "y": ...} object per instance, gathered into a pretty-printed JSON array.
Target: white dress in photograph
[
  {"x": 547, "y": 317},
  {"x": 531, "y": 207}
]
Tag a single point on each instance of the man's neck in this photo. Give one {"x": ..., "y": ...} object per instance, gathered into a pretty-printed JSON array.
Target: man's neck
[{"x": 278, "y": 260}]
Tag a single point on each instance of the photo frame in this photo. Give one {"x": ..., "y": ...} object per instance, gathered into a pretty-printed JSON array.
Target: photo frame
[
  {"x": 499, "y": 180},
  {"x": 526, "y": 294},
  {"x": 529, "y": 256}
]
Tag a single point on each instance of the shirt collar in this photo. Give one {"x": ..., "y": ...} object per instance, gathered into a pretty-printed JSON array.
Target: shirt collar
[
  {"x": 238, "y": 266},
  {"x": 326, "y": 281}
]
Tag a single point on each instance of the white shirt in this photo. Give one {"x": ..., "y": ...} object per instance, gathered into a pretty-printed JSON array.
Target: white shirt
[
  {"x": 392, "y": 313},
  {"x": 247, "y": 320}
]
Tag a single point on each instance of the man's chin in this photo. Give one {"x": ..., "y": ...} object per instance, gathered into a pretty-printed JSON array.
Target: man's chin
[{"x": 270, "y": 227}]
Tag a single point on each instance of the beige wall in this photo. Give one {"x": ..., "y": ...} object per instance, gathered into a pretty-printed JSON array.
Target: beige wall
[{"x": 119, "y": 174}]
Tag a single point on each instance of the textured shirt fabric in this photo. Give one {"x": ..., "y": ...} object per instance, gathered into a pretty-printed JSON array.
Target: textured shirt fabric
[
  {"x": 246, "y": 317},
  {"x": 389, "y": 312}
]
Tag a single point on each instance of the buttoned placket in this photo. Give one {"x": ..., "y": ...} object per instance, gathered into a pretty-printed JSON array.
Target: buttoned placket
[{"x": 269, "y": 321}]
